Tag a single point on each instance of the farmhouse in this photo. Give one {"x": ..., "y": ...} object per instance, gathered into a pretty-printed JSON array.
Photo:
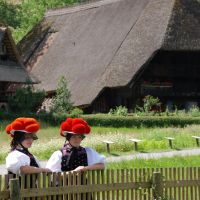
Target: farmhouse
[
  {"x": 12, "y": 70},
  {"x": 115, "y": 52}
]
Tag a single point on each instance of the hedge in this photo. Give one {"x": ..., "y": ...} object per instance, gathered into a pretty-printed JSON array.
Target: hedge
[
  {"x": 49, "y": 118},
  {"x": 111, "y": 121},
  {"x": 132, "y": 121}
]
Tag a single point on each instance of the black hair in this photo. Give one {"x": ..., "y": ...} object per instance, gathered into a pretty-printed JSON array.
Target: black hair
[
  {"x": 69, "y": 135},
  {"x": 17, "y": 139}
]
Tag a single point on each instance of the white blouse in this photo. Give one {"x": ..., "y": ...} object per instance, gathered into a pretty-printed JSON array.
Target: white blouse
[
  {"x": 17, "y": 159},
  {"x": 54, "y": 163}
]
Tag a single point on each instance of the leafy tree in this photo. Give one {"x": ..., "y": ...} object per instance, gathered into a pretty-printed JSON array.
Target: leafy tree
[
  {"x": 26, "y": 100},
  {"x": 9, "y": 14},
  {"x": 23, "y": 16},
  {"x": 61, "y": 102}
]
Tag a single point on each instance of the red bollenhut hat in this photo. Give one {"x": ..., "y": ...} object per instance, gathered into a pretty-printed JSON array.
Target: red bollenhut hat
[
  {"x": 24, "y": 125},
  {"x": 76, "y": 126}
]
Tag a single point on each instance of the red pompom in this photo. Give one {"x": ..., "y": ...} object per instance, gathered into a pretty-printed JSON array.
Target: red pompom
[
  {"x": 78, "y": 129},
  {"x": 23, "y": 124},
  {"x": 20, "y": 119},
  {"x": 76, "y": 126},
  {"x": 87, "y": 129},
  {"x": 17, "y": 125},
  {"x": 32, "y": 128},
  {"x": 29, "y": 121},
  {"x": 69, "y": 121},
  {"x": 78, "y": 121},
  {"x": 61, "y": 133},
  {"x": 8, "y": 128},
  {"x": 65, "y": 126}
]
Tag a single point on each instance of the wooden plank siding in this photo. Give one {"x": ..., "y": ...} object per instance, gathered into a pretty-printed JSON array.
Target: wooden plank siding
[{"x": 119, "y": 184}]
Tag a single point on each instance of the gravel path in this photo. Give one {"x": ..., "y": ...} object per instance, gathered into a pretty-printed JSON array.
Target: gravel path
[{"x": 186, "y": 152}]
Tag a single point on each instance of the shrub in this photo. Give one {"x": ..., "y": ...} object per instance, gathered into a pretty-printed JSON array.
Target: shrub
[
  {"x": 55, "y": 119},
  {"x": 151, "y": 106},
  {"x": 120, "y": 111},
  {"x": 26, "y": 100},
  {"x": 76, "y": 112},
  {"x": 151, "y": 103},
  {"x": 145, "y": 121},
  {"x": 194, "y": 111}
]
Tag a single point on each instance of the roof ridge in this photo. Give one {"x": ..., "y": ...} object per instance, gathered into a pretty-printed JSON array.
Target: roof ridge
[{"x": 79, "y": 7}]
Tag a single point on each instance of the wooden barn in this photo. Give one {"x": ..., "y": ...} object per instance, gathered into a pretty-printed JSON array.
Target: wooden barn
[
  {"x": 115, "y": 52},
  {"x": 12, "y": 70}
]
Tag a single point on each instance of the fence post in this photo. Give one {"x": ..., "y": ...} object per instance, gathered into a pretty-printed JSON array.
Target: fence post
[
  {"x": 14, "y": 189},
  {"x": 157, "y": 185}
]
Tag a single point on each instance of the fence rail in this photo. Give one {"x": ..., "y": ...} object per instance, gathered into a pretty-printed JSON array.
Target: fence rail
[{"x": 129, "y": 184}]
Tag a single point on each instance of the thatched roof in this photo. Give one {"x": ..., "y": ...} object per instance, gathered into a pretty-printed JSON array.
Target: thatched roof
[
  {"x": 12, "y": 70},
  {"x": 107, "y": 43},
  {"x": 14, "y": 74}
]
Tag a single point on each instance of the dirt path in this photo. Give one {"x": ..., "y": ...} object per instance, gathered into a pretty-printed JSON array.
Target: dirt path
[{"x": 186, "y": 152}]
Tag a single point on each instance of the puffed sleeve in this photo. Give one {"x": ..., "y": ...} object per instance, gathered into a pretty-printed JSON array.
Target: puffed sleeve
[
  {"x": 15, "y": 160},
  {"x": 94, "y": 157},
  {"x": 54, "y": 162}
]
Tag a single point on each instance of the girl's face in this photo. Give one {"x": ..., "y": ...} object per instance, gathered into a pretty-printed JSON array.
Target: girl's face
[
  {"x": 75, "y": 140},
  {"x": 27, "y": 142}
]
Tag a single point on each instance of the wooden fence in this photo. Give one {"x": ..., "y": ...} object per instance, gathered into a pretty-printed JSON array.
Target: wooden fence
[{"x": 123, "y": 184}]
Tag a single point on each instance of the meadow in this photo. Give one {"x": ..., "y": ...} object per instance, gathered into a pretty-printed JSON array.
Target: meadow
[
  {"x": 153, "y": 140},
  {"x": 177, "y": 161}
]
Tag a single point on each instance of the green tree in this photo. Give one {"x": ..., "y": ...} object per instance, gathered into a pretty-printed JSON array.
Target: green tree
[
  {"x": 61, "y": 103},
  {"x": 26, "y": 100}
]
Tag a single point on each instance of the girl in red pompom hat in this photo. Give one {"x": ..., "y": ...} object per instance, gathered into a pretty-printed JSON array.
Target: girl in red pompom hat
[
  {"x": 74, "y": 157},
  {"x": 20, "y": 160}
]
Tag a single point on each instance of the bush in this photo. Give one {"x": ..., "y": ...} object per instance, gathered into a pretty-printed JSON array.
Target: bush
[
  {"x": 54, "y": 119},
  {"x": 120, "y": 111},
  {"x": 146, "y": 121},
  {"x": 76, "y": 112},
  {"x": 151, "y": 106},
  {"x": 26, "y": 100},
  {"x": 194, "y": 111}
]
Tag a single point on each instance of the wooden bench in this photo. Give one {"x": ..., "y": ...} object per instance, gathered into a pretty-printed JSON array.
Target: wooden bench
[
  {"x": 108, "y": 142},
  {"x": 135, "y": 142},
  {"x": 170, "y": 139},
  {"x": 197, "y": 139}
]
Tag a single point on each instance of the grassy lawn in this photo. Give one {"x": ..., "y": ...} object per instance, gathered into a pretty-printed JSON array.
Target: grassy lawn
[
  {"x": 191, "y": 161},
  {"x": 153, "y": 140}
]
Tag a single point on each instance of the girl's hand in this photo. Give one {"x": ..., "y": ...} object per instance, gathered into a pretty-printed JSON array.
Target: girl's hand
[
  {"x": 46, "y": 170},
  {"x": 79, "y": 169}
]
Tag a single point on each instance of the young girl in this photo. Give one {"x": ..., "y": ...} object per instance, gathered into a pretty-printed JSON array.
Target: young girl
[
  {"x": 20, "y": 160},
  {"x": 72, "y": 156}
]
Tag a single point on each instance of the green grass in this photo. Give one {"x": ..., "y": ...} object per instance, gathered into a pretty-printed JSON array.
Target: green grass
[
  {"x": 191, "y": 161},
  {"x": 153, "y": 140}
]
